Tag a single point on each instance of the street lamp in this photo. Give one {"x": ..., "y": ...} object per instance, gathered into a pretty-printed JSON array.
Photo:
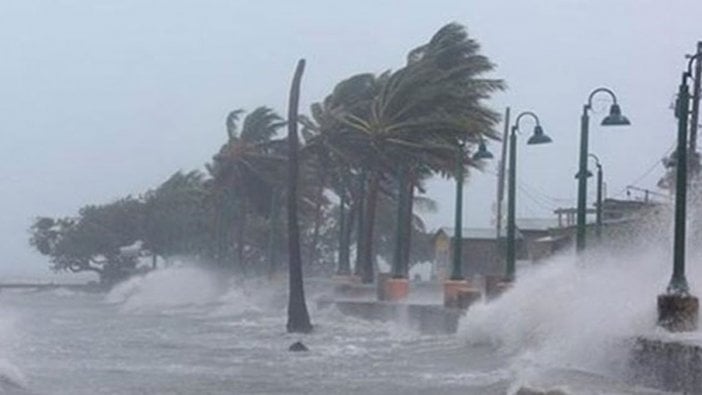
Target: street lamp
[
  {"x": 615, "y": 118},
  {"x": 588, "y": 174},
  {"x": 457, "y": 292},
  {"x": 598, "y": 216},
  {"x": 538, "y": 137},
  {"x": 398, "y": 266},
  {"x": 481, "y": 154},
  {"x": 677, "y": 309}
]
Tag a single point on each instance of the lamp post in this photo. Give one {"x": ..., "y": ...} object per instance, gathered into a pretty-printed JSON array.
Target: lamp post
[
  {"x": 457, "y": 251},
  {"x": 456, "y": 281},
  {"x": 598, "y": 220},
  {"x": 598, "y": 216},
  {"x": 615, "y": 118},
  {"x": 456, "y": 261},
  {"x": 537, "y": 138},
  {"x": 677, "y": 309},
  {"x": 600, "y": 183},
  {"x": 398, "y": 266}
]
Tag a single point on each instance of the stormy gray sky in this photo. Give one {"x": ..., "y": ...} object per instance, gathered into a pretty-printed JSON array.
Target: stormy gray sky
[{"x": 99, "y": 99}]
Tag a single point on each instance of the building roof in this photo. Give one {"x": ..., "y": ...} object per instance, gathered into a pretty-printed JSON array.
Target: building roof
[
  {"x": 475, "y": 233},
  {"x": 542, "y": 224}
]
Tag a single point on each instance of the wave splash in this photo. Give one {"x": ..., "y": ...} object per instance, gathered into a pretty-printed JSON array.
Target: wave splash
[
  {"x": 12, "y": 379},
  {"x": 188, "y": 289},
  {"x": 577, "y": 314},
  {"x": 173, "y": 287}
]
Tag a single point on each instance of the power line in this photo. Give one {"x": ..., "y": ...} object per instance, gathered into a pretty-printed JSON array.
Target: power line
[
  {"x": 648, "y": 171},
  {"x": 541, "y": 204},
  {"x": 540, "y": 198}
]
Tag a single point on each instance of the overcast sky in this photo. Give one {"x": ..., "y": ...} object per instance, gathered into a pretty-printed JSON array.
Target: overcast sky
[{"x": 99, "y": 99}]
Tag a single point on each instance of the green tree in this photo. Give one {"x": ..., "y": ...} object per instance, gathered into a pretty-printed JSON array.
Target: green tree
[
  {"x": 94, "y": 241},
  {"x": 176, "y": 217}
]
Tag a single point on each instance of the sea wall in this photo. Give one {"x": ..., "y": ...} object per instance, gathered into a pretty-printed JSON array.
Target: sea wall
[
  {"x": 671, "y": 365},
  {"x": 428, "y": 319}
]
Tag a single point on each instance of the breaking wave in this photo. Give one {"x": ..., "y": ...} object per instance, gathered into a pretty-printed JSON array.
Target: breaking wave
[
  {"x": 190, "y": 289},
  {"x": 574, "y": 314},
  {"x": 174, "y": 287}
]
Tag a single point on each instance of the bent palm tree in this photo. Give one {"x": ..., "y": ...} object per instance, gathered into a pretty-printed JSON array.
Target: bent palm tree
[
  {"x": 417, "y": 114},
  {"x": 298, "y": 317},
  {"x": 244, "y": 172}
]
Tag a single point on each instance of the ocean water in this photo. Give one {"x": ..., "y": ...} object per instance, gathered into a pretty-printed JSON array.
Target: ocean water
[{"x": 566, "y": 325}]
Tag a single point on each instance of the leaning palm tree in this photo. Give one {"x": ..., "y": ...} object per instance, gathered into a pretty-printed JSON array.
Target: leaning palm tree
[
  {"x": 244, "y": 172},
  {"x": 298, "y": 317},
  {"x": 418, "y": 114}
]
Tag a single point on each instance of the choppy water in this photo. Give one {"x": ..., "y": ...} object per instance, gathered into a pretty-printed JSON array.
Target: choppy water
[{"x": 177, "y": 331}]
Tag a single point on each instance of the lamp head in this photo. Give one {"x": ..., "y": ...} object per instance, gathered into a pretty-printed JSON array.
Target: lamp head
[
  {"x": 538, "y": 137},
  {"x": 615, "y": 117},
  {"x": 482, "y": 152},
  {"x": 588, "y": 174}
]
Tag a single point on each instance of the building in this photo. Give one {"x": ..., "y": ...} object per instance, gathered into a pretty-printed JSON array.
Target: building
[
  {"x": 539, "y": 238},
  {"x": 482, "y": 251}
]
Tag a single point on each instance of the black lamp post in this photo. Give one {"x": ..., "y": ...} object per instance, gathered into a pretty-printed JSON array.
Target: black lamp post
[
  {"x": 457, "y": 261},
  {"x": 399, "y": 269},
  {"x": 599, "y": 208},
  {"x": 615, "y": 118},
  {"x": 537, "y": 138},
  {"x": 588, "y": 174},
  {"x": 677, "y": 309}
]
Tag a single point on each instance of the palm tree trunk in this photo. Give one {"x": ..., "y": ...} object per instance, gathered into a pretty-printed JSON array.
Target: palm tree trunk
[
  {"x": 398, "y": 267},
  {"x": 360, "y": 211},
  {"x": 312, "y": 249},
  {"x": 273, "y": 239},
  {"x": 298, "y": 317},
  {"x": 367, "y": 274},
  {"x": 241, "y": 236},
  {"x": 345, "y": 225},
  {"x": 407, "y": 225},
  {"x": 217, "y": 231}
]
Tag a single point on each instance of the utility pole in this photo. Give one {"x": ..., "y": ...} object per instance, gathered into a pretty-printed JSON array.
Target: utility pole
[
  {"x": 693, "y": 158},
  {"x": 501, "y": 177},
  {"x": 694, "y": 114}
]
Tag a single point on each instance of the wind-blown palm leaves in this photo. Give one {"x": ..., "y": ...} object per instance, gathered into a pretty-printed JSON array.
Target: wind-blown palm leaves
[
  {"x": 245, "y": 174},
  {"x": 414, "y": 116}
]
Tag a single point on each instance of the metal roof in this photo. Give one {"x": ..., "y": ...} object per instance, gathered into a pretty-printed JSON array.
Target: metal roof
[
  {"x": 476, "y": 233},
  {"x": 537, "y": 223}
]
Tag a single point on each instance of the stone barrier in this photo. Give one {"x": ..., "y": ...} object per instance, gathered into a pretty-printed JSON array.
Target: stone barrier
[
  {"x": 428, "y": 319},
  {"x": 670, "y": 365}
]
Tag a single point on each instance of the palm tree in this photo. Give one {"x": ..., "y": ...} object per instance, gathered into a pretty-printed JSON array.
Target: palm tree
[
  {"x": 328, "y": 169},
  {"x": 417, "y": 114},
  {"x": 298, "y": 317},
  {"x": 244, "y": 173}
]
